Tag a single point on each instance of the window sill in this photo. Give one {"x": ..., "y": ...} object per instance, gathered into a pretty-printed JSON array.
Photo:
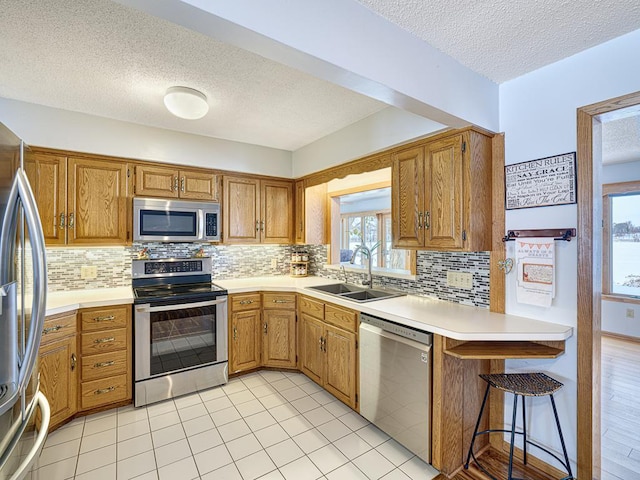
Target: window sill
[
  {"x": 376, "y": 272},
  {"x": 620, "y": 298}
]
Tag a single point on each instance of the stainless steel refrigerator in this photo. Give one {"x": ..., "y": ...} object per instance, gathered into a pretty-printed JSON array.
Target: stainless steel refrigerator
[{"x": 24, "y": 410}]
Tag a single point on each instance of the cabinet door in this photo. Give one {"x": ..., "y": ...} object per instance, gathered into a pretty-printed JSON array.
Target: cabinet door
[
  {"x": 97, "y": 202},
  {"x": 241, "y": 219},
  {"x": 245, "y": 340},
  {"x": 59, "y": 378},
  {"x": 196, "y": 185},
  {"x": 156, "y": 181},
  {"x": 340, "y": 374},
  {"x": 276, "y": 224},
  {"x": 279, "y": 338},
  {"x": 299, "y": 235},
  {"x": 407, "y": 198},
  {"x": 444, "y": 193},
  {"x": 311, "y": 354},
  {"x": 48, "y": 178}
]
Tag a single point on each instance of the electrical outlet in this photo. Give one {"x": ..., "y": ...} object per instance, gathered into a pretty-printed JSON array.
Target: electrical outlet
[
  {"x": 631, "y": 313},
  {"x": 274, "y": 263},
  {"x": 88, "y": 272},
  {"x": 462, "y": 280}
]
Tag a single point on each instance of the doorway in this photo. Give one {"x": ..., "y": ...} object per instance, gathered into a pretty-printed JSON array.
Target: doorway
[{"x": 589, "y": 144}]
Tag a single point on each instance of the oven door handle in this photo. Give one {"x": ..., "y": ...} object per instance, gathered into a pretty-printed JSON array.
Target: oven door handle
[{"x": 167, "y": 308}]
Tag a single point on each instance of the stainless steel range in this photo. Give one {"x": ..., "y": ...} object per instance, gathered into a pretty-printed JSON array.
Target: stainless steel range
[{"x": 180, "y": 329}]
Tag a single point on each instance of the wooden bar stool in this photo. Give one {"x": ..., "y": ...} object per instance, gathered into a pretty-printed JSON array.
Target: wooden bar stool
[{"x": 524, "y": 385}]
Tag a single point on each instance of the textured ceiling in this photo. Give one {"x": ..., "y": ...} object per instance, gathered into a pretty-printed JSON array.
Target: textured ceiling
[
  {"x": 504, "y": 39},
  {"x": 102, "y": 58},
  {"x": 621, "y": 140}
]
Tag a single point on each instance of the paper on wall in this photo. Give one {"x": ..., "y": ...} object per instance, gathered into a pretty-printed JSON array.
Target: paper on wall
[{"x": 535, "y": 261}]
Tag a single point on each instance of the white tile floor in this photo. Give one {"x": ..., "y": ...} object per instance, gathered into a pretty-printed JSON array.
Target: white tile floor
[{"x": 269, "y": 425}]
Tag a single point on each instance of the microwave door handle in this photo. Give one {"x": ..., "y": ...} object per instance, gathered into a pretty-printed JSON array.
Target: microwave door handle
[
  {"x": 21, "y": 193},
  {"x": 182, "y": 306}
]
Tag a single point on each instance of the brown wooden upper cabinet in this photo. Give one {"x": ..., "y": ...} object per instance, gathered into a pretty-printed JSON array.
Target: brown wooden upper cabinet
[
  {"x": 170, "y": 182},
  {"x": 81, "y": 201},
  {"x": 257, "y": 211},
  {"x": 441, "y": 194}
]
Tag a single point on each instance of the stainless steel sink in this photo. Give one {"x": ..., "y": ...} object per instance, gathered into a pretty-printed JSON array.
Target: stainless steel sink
[
  {"x": 337, "y": 288},
  {"x": 355, "y": 293}
]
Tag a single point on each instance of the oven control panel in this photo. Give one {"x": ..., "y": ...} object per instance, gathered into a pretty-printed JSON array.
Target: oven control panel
[{"x": 170, "y": 267}]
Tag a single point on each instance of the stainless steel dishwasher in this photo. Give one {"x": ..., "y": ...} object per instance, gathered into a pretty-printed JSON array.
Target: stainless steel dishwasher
[{"x": 395, "y": 382}]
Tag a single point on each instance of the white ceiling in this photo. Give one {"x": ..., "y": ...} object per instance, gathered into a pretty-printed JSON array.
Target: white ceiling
[
  {"x": 106, "y": 59},
  {"x": 504, "y": 39},
  {"x": 102, "y": 58}
]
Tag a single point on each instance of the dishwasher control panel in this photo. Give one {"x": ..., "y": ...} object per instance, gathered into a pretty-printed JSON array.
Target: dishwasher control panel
[{"x": 397, "y": 329}]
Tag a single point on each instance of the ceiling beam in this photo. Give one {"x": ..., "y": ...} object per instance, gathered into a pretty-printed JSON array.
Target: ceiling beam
[{"x": 343, "y": 42}]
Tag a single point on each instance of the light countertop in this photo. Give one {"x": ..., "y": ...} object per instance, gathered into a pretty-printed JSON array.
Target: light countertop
[
  {"x": 449, "y": 319},
  {"x": 61, "y": 302}
]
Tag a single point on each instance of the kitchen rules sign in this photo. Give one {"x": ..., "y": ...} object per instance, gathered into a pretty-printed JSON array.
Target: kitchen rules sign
[{"x": 541, "y": 183}]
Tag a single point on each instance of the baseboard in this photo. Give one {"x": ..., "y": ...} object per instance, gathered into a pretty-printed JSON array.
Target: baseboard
[{"x": 534, "y": 461}]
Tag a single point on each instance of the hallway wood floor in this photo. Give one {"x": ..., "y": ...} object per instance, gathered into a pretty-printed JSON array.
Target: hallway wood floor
[{"x": 620, "y": 409}]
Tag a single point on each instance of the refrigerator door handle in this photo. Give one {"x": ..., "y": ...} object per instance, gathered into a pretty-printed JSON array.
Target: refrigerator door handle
[
  {"x": 30, "y": 458},
  {"x": 21, "y": 193}
]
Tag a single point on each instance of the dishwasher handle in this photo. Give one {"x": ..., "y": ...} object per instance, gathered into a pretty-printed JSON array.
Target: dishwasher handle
[{"x": 366, "y": 328}]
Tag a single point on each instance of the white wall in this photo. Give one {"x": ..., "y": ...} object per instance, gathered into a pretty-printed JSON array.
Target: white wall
[
  {"x": 374, "y": 133},
  {"x": 538, "y": 116},
  {"x": 614, "y": 314},
  {"x": 55, "y": 128}
]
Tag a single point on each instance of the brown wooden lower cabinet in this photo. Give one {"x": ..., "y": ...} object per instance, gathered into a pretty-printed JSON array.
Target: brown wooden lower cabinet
[
  {"x": 245, "y": 341},
  {"x": 58, "y": 366},
  {"x": 105, "y": 346},
  {"x": 328, "y": 346}
]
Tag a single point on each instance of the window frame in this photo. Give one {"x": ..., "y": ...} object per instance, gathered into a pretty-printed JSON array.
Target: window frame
[
  {"x": 335, "y": 229},
  {"x": 610, "y": 190}
]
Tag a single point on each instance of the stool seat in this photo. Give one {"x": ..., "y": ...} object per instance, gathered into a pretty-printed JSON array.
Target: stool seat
[{"x": 534, "y": 384}]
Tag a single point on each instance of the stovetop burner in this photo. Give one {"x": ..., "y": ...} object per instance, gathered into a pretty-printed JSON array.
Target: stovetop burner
[{"x": 177, "y": 291}]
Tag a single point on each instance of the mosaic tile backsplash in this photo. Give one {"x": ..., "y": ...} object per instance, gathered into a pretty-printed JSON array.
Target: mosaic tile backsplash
[{"x": 235, "y": 261}]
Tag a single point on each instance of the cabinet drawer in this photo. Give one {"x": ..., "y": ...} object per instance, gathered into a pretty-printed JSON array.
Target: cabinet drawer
[
  {"x": 281, "y": 301},
  {"x": 340, "y": 317},
  {"x": 312, "y": 307},
  {"x": 101, "y": 318},
  {"x": 104, "y": 341},
  {"x": 58, "y": 326},
  {"x": 102, "y": 392},
  {"x": 250, "y": 301},
  {"x": 104, "y": 365}
]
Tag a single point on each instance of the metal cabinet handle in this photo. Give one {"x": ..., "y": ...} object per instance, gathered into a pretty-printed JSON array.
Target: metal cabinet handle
[
  {"x": 320, "y": 342},
  {"x": 104, "y": 364},
  {"x": 265, "y": 327},
  {"x": 235, "y": 333},
  {"x": 257, "y": 225},
  {"x": 324, "y": 344},
  {"x": 182, "y": 184},
  {"x": 262, "y": 226},
  {"x": 61, "y": 225},
  {"x": 246, "y": 302},
  {"x": 105, "y": 340},
  {"x": 71, "y": 222},
  {"x": 108, "y": 318},
  {"x": 55, "y": 328},
  {"x": 279, "y": 300},
  {"x": 105, "y": 390},
  {"x": 426, "y": 220},
  {"x": 175, "y": 184},
  {"x": 74, "y": 360},
  {"x": 419, "y": 220}
]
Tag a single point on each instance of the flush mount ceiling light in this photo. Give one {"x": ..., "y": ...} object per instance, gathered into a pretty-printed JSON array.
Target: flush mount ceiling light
[{"x": 186, "y": 103}]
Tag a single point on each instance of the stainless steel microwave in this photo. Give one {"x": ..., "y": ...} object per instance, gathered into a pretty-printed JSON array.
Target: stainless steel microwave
[{"x": 161, "y": 220}]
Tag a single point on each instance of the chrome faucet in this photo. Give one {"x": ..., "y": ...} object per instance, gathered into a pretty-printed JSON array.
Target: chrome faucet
[{"x": 365, "y": 251}]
